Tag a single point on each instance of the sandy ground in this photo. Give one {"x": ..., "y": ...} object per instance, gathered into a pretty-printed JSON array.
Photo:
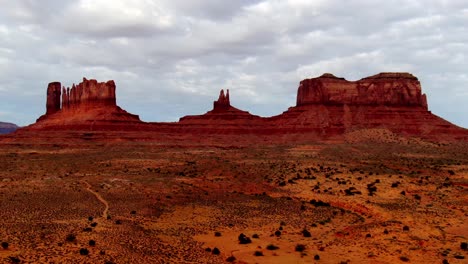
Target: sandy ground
[{"x": 362, "y": 202}]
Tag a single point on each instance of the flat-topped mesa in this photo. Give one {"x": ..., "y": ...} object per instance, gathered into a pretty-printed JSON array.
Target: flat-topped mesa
[
  {"x": 223, "y": 102},
  {"x": 390, "y": 89}
]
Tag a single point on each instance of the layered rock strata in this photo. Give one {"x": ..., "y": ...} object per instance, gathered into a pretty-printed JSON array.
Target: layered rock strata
[{"x": 88, "y": 102}]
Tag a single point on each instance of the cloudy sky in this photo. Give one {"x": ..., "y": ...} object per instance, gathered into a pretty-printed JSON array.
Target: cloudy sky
[{"x": 170, "y": 58}]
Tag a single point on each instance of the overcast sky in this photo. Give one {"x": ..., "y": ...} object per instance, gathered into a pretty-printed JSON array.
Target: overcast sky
[{"x": 170, "y": 58}]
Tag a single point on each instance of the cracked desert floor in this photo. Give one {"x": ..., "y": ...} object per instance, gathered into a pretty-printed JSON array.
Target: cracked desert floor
[{"x": 400, "y": 201}]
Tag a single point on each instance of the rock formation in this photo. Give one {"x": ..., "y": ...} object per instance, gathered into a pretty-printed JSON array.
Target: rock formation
[
  {"x": 326, "y": 106},
  {"x": 329, "y": 105},
  {"x": 6, "y": 128},
  {"x": 222, "y": 112},
  {"x": 53, "y": 98},
  {"x": 87, "y": 102},
  {"x": 390, "y": 89},
  {"x": 223, "y": 102}
]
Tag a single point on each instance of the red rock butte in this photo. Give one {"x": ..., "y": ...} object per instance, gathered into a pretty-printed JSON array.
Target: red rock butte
[
  {"x": 81, "y": 105},
  {"x": 326, "y": 106}
]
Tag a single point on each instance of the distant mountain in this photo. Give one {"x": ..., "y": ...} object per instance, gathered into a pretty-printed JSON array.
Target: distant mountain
[{"x": 6, "y": 128}]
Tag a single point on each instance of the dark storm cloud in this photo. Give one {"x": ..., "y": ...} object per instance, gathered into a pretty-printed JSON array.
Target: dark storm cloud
[{"x": 169, "y": 58}]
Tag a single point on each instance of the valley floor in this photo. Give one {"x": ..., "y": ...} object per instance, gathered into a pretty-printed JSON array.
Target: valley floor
[{"x": 137, "y": 202}]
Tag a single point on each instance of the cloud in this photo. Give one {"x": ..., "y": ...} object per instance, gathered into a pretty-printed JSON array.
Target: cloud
[{"x": 169, "y": 58}]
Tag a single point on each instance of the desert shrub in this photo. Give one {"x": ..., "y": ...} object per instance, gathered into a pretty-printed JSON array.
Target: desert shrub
[
  {"x": 404, "y": 258},
  {"x": 317, "y": 257},
  {"x": 255, "y": 236},
  {"x": 243, "y": 239},
  {"x": 5, "y": 245},
  {"x": 84, "y": 251},
  {"x": 272, "y": 247},
  {"x": 464, "y": 245},
  {"x": 215, "y": 251},
  {"x": 258, "y": 253},
  {"x": 306, "y": 233},
  {"x": 92, "y": 243},
  {"x": 300, "y": 247},
  {"x": 231, "y": 259},
  {"x": 217, "y": 234},
  {"x": 14, "y": 259},
  {"x": 71, "y": 238}
]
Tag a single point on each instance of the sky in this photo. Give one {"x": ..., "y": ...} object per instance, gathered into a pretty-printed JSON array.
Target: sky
[{"x": 170, "y": 58}]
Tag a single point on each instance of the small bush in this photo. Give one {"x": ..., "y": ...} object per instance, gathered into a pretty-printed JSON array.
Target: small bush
[
  {"x": 71, "y": 238},
  {"x": 84, "y": 252},
  {"x": 317, "y": 257},
  {"x": 14, "y": 260},
  {"x": 272, "y": 247},
  {"x": 92, "y": 243},
  {"x": 217, "y": 234},
  {"x": 404, "y": 258},
  {"x": 215, "y": 251},
  {"x": 306, "y": 233},
  {"x": 5, "y": 245},
  {"x": 300, "y": 247},
  {"x": 258, "y": 253},
  {"x": 464, "y": 245},
  {"x": 243, "y": 239}
]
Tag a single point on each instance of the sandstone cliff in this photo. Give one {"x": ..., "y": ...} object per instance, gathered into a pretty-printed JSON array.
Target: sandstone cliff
[
  {"x": 329, "y": 105},
  {"x": 88, "y": 102},
  {"x": 326, "y": 106},
  {"x": 390, "y": 89}
]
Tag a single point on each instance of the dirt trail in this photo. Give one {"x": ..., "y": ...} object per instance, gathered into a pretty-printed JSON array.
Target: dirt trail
[{"x": 99, "y": 197}]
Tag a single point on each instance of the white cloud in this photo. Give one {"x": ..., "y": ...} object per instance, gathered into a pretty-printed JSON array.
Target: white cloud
[{"x": 173, "y": 56}]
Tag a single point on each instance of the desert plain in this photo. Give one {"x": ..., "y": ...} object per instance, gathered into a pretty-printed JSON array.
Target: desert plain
[{"x": 374, "y": 197}]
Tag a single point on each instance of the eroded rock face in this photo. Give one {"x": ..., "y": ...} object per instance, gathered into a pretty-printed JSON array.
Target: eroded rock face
[
  {"x": 327, "y": 106},
  {"x": 389, "y": 89},
  {"x": 223, "y": 102},
  {"x": 89, "y": 101},
  {"x": 89, "y": 93},
  {"x": 53, "y": 98},
  {"x": 222, "y": 114}
]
